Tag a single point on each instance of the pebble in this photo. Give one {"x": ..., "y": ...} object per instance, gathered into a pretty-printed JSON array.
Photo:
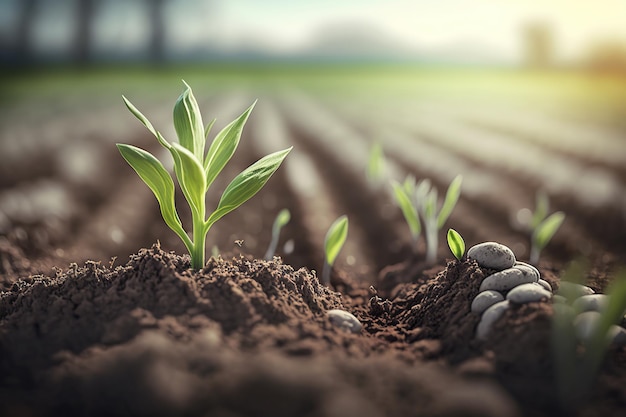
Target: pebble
[
  {"x": 490, "y": 315},
  {"x": 526, "y": 266},
  {"x": 576, "y": 290},
  {"x": 618, "y": 335},
  {"x": 559, "y": 299},
  {"x": 484, "y": 300},
  {"x": 492, "y": 255},
  {"x": 506, "y": 280},
  {"x": 528, "y": 293},
  {"x": 344, "y": 320},
  {"x": 545, "y": 284},
  {"x": 528, "y": 271},
  {"x": 585, "y": 323},
  {"x": 590, "y": 302}
]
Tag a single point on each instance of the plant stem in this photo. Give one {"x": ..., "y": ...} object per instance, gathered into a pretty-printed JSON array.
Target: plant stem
[
  {"x": 534, "y": 255},
  {"x": 326, "y": 273},
  {"x": 431, "y": 243},
  {"x": 199, "y": 238}
]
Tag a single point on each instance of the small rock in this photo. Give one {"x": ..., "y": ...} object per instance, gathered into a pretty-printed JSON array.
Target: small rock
[
  {"x": 545, "y": 284},
  {"x": 559, "y": 299},
  {"x": 486, "y": 299},
  {"x": 590, "y": 302},
  {"x": 492, "y": 255},
  {"x": 526, "y": 266},
  {"x": 571, "y": 289},
  {"x": 506, "y": 280},
  {"x": 617, "y": 335},
  {"x": 490, "y": 315},
  {"x": 528, "y": 293},
  {"x": 585, "y": 324},
  {"x": 344, "y": 320}
]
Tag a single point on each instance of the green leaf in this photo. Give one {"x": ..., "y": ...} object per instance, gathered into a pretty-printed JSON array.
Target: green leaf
[
  {"x": 247, "y": 184},
  {"x": 542, "y": 206},
  {"x": 223, "y": 146},
  {"x": 408, "y": 209},
  {"x": 430, "y": 206},
  {"x": 376, "y": 162},
  {"x": 335, "y": 238},
  {"x": 143, "y": 119},
  {"x": 452, "y": 196},
  {"x": 456, "y": 244},
  {"x": 208, "y": 127},
  {"x": 190, "y": 176},
  {"x": 188, "y": 123},
  {"x": 409, "y": 185},
  {"x": 546, "y": 229},
  {"x": 156, "y": 177},
  {"x": 281, "y": 220}
]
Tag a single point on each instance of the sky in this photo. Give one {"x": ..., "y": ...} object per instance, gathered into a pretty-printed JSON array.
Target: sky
[{"x": 491, "y": 27}]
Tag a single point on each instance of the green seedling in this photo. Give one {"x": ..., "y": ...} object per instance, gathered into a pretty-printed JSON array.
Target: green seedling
[
  {"x": 456, "y": 244},
  {"x": 376, "y": 164},
  {"x": 196, "y": 170},
  {"x": 280, "y": 221},
  {"x": 419, "y": 200},
  {"x": 335, "y": 238},
  {"x": 578, "y": 362},
  {"x": 540, "y": 225}
]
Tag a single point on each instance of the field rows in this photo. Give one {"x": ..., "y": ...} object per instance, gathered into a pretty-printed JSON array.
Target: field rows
[{"x": 64, "y": 184}]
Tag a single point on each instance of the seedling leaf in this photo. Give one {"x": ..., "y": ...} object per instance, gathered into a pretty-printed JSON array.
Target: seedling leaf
[
  {"x": 456, "y": 244},
  {"x": 247, "y": 184},
  {"x": 191, "y": 177},
  {"x": 188, "y": 123},
  {"x": 542, "y": 206},
  {"x": 376, "y": 162},
  {"x": 546, "y": 229},
  {"x": 208, "y": 127},
  {"x": 408, "y": 209},
  {"x": 452, "y": 196},
  {"x": 281, "y": 220},
  {"x": 156, "y": 177},
  {"x": 335, "y": 238},
  {"x": 143, "y": 119},
  {"x": 223, "y": 146}
]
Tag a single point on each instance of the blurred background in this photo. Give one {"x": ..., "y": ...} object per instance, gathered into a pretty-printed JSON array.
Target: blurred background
[{"x": 519, "y": 96}]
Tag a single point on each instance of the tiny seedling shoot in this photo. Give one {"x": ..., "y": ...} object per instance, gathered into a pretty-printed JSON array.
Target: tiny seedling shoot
[
  {"x": 456, "y": 244},
  {"x": 420, "y": 200},
  {"x": 280, "y": 221},
  {"x": 542, "y": 226},
  {"x": 335, "y": 238},
  {"x": 376, "y": 165},
  {"x": 196, "y": 170}
]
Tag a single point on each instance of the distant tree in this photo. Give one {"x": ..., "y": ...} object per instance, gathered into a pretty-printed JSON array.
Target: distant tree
[
  {"x": 157, "y": 40},
  {"x": 84, "y": 31},
  {"x": 24, "y": 47}
]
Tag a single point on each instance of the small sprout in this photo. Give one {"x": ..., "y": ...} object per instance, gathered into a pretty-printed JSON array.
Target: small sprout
[
  {"x": 543, "y": 233},
  {"x": 280, "y": 221},
  {"x": 456, "y": 244},
  {"x": 335, "y": 238},
  {"x": 420, "y": 200},
  {"x": 196, "y": 170},
  {"x": 376, "y": 164},
  {"x": 576, "y": 368},
  {"x": 540, "y": 226}
]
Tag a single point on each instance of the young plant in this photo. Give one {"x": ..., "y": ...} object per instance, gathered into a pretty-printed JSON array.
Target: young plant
[
  {"x": 420, "y": 201},
  {"x": 376, "y": 164},
  {"x": 578, "y": 362},
  {"x": 196, "y": 170},
  {"x": 456, "y": 244},
  {"x": 335, "y": 238},
  {"x": 540, "y": 226},
  {"x": 280, "y": 221}
]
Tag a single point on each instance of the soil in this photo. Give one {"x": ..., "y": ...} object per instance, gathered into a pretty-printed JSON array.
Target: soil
[{"x": 92, "y": 325}]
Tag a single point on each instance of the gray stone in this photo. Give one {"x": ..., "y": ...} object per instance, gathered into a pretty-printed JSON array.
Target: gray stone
[
  {"x": 484, "y": 300},
  {"x": 559, "y": 299},
  {"x": 506, "y": 280},
  {"x": 585, "y": 324},
  {"x": 489, "y": 317},
  {"x": 617, "y": 335},
  {"x": 570, "y": 289},
  {"x": 528, "y": 293},
  {"x": 590, "y": 302},
  {"x": 492, "y": 255},
  {"x": 344, "y": 320},
  {"x": 545, "y": 284},
  {"x": 528, "y": 268}
]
